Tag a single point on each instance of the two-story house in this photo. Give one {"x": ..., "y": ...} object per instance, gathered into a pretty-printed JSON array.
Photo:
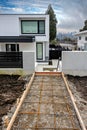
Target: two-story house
[
  {"x": 82, "y": 40},
  {"x": 25, "y": 33}
]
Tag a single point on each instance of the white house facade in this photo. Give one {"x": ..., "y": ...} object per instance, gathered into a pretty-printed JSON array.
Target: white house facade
[
  {"x": 25, "y": 33},
  {"x": 82, "y": 40}
]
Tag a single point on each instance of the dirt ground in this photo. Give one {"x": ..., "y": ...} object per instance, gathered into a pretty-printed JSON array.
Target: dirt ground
[
  {"x": 78, "y": 86},
  {"x": 10, "y": 89}
]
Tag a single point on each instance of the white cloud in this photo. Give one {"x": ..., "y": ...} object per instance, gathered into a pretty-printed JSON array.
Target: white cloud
[
  {"x": 18, "y": 10},
  {"x": 70, "y": 13},
  {"x": 11, "y": 10}
]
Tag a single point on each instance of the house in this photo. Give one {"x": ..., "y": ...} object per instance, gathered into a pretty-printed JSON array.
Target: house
[
  {"x": 68, "y": 45},
  {"x": 82, "y": 40},
  {"x": 23, "y": 37}
]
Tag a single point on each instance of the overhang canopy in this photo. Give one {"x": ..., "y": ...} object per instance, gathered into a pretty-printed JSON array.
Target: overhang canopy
[{"x": 17, "y": 38}]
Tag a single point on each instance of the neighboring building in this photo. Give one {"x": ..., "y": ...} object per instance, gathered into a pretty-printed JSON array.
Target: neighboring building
[
  {"x": 25, "y": 33},
  {"x": 68, "y": 45},
  {"x": 82, "y": 40}
]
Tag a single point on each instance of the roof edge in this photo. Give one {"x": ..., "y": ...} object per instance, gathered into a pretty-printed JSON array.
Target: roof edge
[{"x": 82, "y": 32}]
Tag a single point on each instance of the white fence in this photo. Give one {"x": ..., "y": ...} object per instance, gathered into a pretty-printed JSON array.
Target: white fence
[{"x": 74, "y": 62}]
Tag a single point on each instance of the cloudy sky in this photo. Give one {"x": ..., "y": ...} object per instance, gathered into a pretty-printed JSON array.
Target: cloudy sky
[{"x": 70, "y": 13}]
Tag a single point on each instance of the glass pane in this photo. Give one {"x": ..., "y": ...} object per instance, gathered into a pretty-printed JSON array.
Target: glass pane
[
  {"x": 13, "y": 47},
  {"x": 39, "y": 51},
  {"x": 29, "y": 27},
  {"x": 41, "y": 27}
]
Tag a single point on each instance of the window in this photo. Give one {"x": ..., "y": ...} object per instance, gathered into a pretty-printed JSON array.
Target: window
[
  {"x": 33, "y": 27},
  {"x": 39, "y": 51},
  {"x": 41, "y": 27},
  {"x": 85, "y": 38},
  {"x": 79, "y": 37},
  {"x": 12, "y": 47}
]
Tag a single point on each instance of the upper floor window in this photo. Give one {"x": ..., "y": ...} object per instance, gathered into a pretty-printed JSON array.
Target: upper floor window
[
  {"x": 33, "y": 27},
  {"x": 85, "y": 38},
  {"x": 79, "y": 37}
]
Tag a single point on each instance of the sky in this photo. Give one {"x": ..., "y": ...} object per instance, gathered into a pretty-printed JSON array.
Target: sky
[{"x": 70, "y": 14}]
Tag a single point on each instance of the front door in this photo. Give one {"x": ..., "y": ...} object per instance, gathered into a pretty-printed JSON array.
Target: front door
[{"x": 39, "y": 51}]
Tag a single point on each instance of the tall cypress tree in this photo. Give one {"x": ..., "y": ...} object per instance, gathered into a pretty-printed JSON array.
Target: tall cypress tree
[
  {"x": 53, "y": 22},
  {"x": 85, "y": 26}
]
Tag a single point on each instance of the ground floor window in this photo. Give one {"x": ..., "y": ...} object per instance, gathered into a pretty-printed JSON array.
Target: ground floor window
[
  {"x": 39, "y": 51},
  {"x": 12, "y": 47}
]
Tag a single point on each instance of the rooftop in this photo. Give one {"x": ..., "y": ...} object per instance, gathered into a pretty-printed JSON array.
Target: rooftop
[{"x": 82, "y": 32}]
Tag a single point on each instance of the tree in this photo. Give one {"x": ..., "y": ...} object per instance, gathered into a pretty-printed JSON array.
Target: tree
[
  {"x": 53, "y": 22},
  {"x": 67, "y": 39},
  {"x": 54, "y": 42},
  {"x": 85, "y": 26}
]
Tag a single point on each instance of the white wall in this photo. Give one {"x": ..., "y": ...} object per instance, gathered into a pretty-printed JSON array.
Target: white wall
[
  {"x": 2, "y": 47},
  {"x": 27, "y": 46},
  {"x": 22, "y": 46},
  {"x": 82, "y": 42},
  {"x": 10, "y": 25},
  {"x": 46, "y": 36},
  {"x": 74, "y": 62},
  {"x": 30, "y": 47}
]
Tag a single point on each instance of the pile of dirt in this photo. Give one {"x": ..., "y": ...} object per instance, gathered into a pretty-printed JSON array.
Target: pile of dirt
[
  {"x": 78, "y": 86},
  {"x": 11, "y": 87},
  {"x": 81, "y": 84}
]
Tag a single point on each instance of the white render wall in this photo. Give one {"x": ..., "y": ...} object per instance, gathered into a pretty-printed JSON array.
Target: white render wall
[
  {"x": 82, "y": 42},
  {"x": 74, "y": 62},
  {"x": 22, "y": 46},
  {"x": 27, "y": 46},
  {"x": 10, "y": 25}
]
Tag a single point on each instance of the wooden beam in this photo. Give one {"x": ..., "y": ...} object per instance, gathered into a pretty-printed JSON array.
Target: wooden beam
[
  {"x": 20, "y": 103},
  {"x": 74, "y": 104},
  {"x": 6, "y": 121},
  {"x": 48, "y": 73}
]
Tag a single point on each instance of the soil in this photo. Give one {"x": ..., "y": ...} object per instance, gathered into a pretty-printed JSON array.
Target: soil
[
  {"x": 11, "y": 87},
  {"x": 78, "y": 86},
  {"x": 81, "y": 85}
]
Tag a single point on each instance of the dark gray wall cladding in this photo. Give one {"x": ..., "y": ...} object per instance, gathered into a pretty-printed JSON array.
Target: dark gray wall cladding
[
  {"x": 17, "y": 38},
  {"x": 11, "y": 60}
]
